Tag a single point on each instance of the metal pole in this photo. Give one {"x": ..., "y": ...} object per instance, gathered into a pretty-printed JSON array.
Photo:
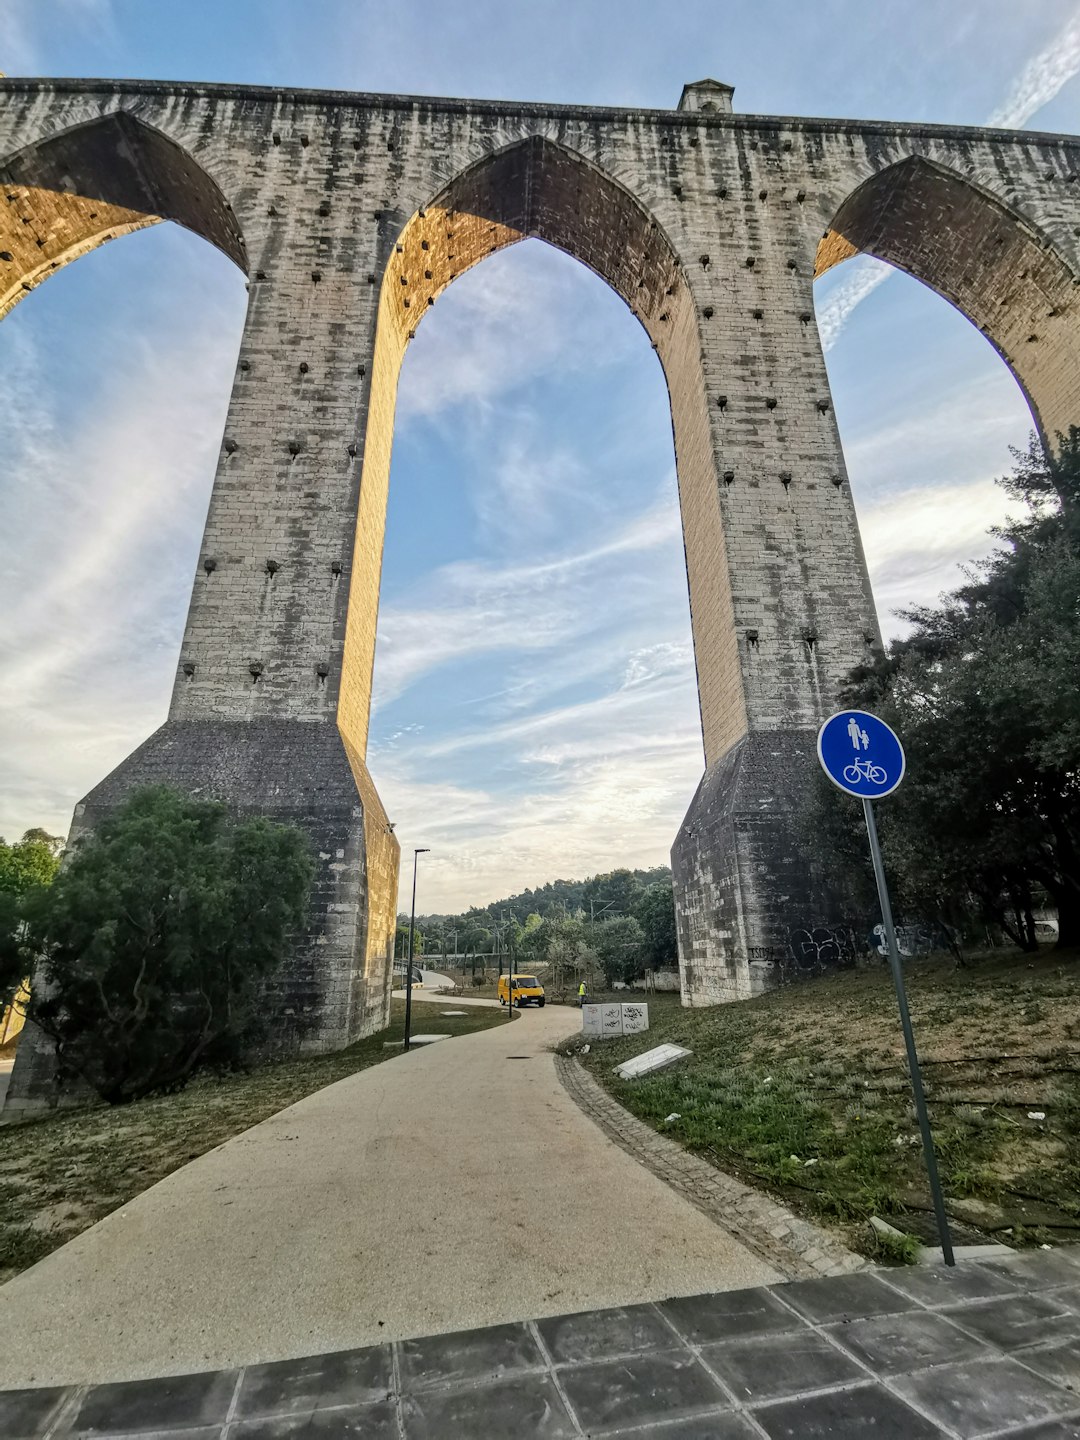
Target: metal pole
[
  {"x": 909, "y": 1036},
  {"x": 408, "y": 963}
]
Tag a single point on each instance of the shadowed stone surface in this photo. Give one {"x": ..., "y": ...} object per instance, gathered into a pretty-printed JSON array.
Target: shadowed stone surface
[
  {"x": 349, "y": 1377},
  {"x": 773, "y": 1367},
  {"x": 849, "y": 1297},
  {"x": 895, "y": 1344},
  {"x": 709, "y": 1367},
  {"x": 702, "y": 1318},
  {"x": 983, "y": 1396},
  {"x": 866, "y": 1410},
  {"x": 1017, "y": 1320},
  {"x": 662, "y": 1386}
]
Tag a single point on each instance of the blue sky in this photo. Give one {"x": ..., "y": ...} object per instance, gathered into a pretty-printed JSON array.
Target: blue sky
[{"x": 535, "y": 705}]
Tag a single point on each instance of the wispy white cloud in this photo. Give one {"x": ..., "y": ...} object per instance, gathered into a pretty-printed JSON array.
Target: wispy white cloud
[
  {"x": 481, "y": 608},
  {"x": 925, "y": 489},
  {"x": 108, "y": 509},
  {"x": 864, "y": 276},
  {"x": 1041, "y": 79},
  {"x": 503, "y": 325}
]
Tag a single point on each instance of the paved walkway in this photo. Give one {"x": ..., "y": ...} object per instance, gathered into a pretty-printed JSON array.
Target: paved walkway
[
  {"x": 989, "y": 1349},
  {"x": 456, "y": 1186}
]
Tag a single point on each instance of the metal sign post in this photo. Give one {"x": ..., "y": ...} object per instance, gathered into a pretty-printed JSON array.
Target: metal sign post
[
  {"x": 863, "y": 757},
  {"x": 423, "y": 850}
]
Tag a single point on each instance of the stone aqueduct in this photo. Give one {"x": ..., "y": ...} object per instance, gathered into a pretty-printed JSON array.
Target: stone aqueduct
[{"x": 350, "y": 214}]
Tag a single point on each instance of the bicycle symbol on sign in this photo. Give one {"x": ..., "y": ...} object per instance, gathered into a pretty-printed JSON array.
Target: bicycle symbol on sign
[{"x": 864, "y": 770}]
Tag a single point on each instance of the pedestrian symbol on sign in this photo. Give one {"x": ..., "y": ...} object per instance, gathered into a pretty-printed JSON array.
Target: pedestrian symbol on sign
[{"x": 858, "y": 734}]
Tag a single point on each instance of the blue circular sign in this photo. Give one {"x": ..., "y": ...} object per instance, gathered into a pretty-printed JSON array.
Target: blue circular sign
[{"x": 860, "y": 754}]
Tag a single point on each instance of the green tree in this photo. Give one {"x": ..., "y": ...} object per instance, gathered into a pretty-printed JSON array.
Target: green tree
[
  {"x": 157, "y": 938},
  {"x": 29, "y": 862},
  {"x": 620, "y": 948},
  {"x": 27, "y": 865},
  {"x": 613, "y": 893},
  {"x": 983, "y": 691},
  {"x": 654, "y": 910},
  {"x": 401, "y": 944}
]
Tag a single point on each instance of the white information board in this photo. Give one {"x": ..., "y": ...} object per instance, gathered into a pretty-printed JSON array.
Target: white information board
[
  {"x": 590, "y": 1019},
  {"x": 635, "y": 1019},
  {"x": 614, "y": 1019},
  {"x": 611, "y": 1019}
]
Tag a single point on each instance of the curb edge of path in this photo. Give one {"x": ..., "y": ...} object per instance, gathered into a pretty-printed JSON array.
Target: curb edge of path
[{"x": 799, "y": 1249}]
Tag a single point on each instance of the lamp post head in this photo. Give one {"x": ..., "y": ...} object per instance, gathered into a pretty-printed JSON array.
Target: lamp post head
[{"x": 423, "y": 850}]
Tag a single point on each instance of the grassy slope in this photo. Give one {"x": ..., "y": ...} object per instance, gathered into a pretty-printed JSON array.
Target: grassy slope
[
  {"x": 65, "y": 1170},
  {"x": 805, "y": 1092}
]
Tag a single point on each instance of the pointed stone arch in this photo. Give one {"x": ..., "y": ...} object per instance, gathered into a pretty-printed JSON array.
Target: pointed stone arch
[
  {"x": 988, "y": 260},
  {"x": 65, "y": 195},
  {"x": 538, "y": 188}
]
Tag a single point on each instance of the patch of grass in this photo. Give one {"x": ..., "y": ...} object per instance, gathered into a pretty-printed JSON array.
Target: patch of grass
[
  {"x": 805, "y": 1092},
  {"x": 67, "y": 1169},
  {"x": 894, "y": 1249}
]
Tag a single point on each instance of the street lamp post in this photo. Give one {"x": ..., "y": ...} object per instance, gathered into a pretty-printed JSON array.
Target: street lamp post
[{"x": 423, "y": 850}]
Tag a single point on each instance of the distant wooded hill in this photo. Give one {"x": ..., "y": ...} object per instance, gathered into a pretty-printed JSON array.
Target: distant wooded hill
[{"x": 615, "y": 892}]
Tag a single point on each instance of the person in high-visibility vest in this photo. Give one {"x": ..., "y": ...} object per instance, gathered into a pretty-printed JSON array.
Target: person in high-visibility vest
[{"x": 581, "y": 993}]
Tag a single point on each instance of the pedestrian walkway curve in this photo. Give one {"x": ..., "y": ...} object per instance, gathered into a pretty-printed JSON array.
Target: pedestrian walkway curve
[{"x": 455, "y": 1186}]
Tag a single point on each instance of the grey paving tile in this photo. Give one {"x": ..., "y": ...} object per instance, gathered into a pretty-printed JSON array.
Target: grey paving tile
[
  {"x": 732, "y": 1314},
  {"x": 895, "y": 1344},
  {"x": 131, "y": 1406},
  {"x": 979, "y": 1397},
  {"x": 1053, "y": 1430},
  {"x": 292, "y": 1387},
  {"x": 1014, "y": 1321},
  {"x": 665, "y": 1385},
  {"x": 204, "y": 1432},
  {"x": 524, "y": 1405},
  {"x": 941, "y": 1285},
  {"x": 468, "y": 1356},
  {"x": 1069, "y": 1296},
  {"x": 1060, "y": 1363},
  {"x": 354, "y": 1422},
  {"x": 844, "y": 1297},
  {"x": 1036, "y": 1267},
  {"x": 866, "y": 1410},
  {"x": 599, "y": 1333},
  {"x": 727, "y": 1426},
  {"x": 772, "y": 1367},
  {"x": 25, "y": 1414}
]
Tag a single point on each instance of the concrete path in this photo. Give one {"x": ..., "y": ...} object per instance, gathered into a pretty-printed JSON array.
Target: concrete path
[
  {"x": 452, "y": 1002},
  {"x": 453, "y": 1187}
]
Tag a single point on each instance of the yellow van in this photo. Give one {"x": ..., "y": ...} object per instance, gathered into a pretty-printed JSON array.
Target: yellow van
[{"x": 527, "y": 990}]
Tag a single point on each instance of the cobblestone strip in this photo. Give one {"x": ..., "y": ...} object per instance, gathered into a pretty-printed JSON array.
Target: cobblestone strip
[{"x": 799, "y": 1249}]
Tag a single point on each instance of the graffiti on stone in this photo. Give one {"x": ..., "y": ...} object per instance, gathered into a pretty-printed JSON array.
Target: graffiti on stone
[
  {"x": 819, "y": 946},
  {"x": 919, "y": 938}
]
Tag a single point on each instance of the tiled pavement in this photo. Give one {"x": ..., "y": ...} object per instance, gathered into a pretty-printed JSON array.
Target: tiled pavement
[{"x": 991, "y": 1348}]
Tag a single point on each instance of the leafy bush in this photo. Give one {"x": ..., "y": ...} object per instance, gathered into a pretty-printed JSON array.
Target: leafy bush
[{"x": 157, "y": 938}]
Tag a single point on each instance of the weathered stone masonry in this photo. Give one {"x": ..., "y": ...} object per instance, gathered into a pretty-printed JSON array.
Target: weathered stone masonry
[{"x": 350, "y": 214}]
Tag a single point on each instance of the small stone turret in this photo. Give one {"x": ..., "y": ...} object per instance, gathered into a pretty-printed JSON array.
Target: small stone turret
[{"x": 707, "y": 95}]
